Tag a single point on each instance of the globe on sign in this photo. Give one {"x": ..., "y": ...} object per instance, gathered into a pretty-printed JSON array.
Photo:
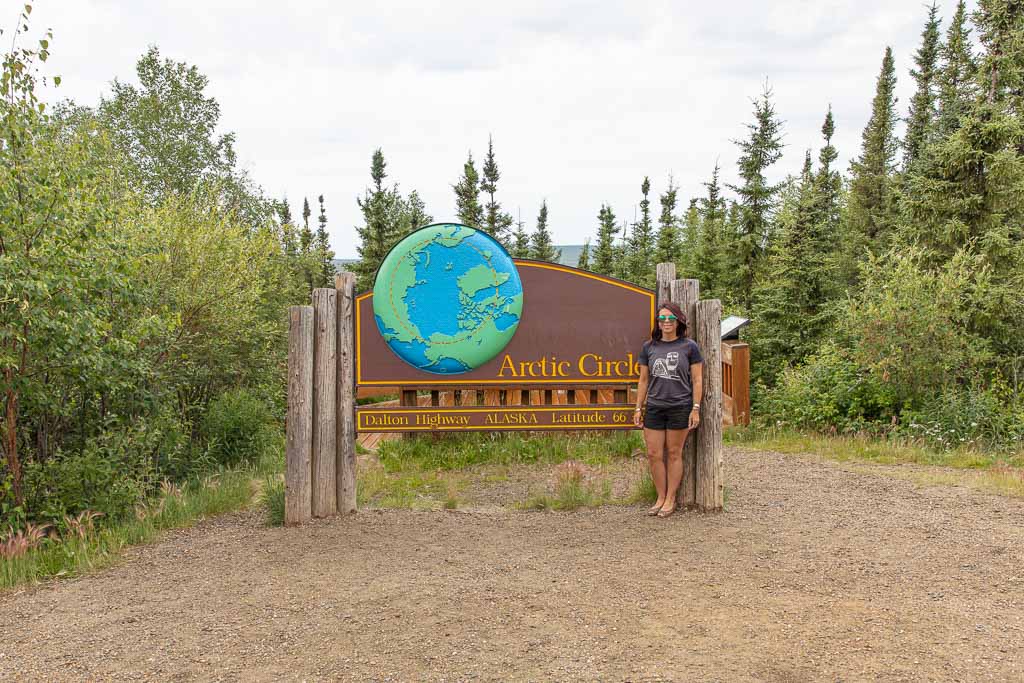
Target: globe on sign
[{"x": 447, "y": 298}]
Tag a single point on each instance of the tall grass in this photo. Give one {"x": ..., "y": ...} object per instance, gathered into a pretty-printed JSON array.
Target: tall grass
[{"x": 174, "y": 507}]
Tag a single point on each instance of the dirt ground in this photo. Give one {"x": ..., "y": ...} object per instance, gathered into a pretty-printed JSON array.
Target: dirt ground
[{"x": 817, "y": 571}]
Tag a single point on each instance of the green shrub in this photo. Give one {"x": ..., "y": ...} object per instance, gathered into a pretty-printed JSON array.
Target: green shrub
[
  {"x": 237, "y": 428},
  {"x": 110, "y": 475},
  {"x": 273, "y": 499},
  {"x": 978, "y": 417},
  {"x": 829, "y": 392}
]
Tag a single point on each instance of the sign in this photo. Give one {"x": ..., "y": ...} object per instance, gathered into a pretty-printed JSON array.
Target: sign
[
  {"x": 491, "y": 418},
  {"x": 572, "y": 327}
]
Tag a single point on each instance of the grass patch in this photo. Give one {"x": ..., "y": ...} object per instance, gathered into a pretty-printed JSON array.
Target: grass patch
[
  {"x": 867, "y": 449},
  {"x": 643, "y": 490},
  {"x": 411, "y": 489},
  {"x": 575, "y": 486},
  {"x": 992, "y": 472},
  {"x": 461, "y": 451},
  {"x": 272, "y": 498},
  {"x": 434, "y": 472},
  {"x": 91, "y": 549}
]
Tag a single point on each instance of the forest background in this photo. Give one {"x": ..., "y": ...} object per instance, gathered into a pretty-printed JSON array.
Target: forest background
[{"x": 144, "y": 277}]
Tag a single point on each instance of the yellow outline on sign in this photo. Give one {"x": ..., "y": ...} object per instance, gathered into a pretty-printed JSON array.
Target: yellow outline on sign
[{"x": 454, "y": 379}]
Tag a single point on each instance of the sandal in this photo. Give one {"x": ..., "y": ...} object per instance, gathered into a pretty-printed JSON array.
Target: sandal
[
  {"x": 667, "y": 512},
  {"x": 652, "y": 512}
]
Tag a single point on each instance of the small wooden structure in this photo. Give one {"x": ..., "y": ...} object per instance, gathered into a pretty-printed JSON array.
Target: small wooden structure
[{"x": 735, "y": 382}]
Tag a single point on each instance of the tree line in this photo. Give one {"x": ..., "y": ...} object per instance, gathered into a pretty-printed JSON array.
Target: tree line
[
  {"x": 883, "y": 298},
  {"x": 144, "y": 280},
  {"x": 144, "y": 276}
]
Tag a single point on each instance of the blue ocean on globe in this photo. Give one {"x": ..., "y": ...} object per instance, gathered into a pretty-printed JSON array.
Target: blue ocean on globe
[{"x": 447, "y": 299}]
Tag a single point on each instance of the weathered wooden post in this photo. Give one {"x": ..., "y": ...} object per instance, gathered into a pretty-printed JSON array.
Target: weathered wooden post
[
  {"x": 325, "y": 410},
  {"x": 710, "y": 489},
  {"x": 686, "y": 293},
  {"x": 299, "y": 439},
  {"x": 666, "y": 273},
  {"x": 346, "y": 394}
]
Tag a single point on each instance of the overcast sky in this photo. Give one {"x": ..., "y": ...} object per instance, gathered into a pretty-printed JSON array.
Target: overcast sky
[{"x": 583, "y": 99}]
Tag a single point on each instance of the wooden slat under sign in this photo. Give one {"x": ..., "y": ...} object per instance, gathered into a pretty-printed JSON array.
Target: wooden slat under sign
[{"x": 548, "y": 417}]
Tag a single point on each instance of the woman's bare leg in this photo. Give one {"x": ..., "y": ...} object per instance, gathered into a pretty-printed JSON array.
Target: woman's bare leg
[
  {"x": 655, "y": 440},
  {"x": 675, "y": 439}
]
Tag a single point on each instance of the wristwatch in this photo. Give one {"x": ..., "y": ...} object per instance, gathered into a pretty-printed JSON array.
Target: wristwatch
[{"x": 696, "y": 406}]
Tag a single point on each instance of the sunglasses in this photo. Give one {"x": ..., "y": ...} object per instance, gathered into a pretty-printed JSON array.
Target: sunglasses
[{"x": 664, "y": 318}]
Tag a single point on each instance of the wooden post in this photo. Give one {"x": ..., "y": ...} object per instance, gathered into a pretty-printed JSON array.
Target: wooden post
[
  {"x": 325, "y": 409},
  {"x": 408, "y": 397},
  {"x": 346, "y": 449},
  {"x": 666, "y": 273},
  {"x": 299, "y": 439},
  {"x": 686, "y": 293},
  {"x": 710, "y": 481}
]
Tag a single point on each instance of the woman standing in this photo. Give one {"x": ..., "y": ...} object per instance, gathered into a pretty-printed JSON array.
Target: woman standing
[{"x": 668, "y": 401}]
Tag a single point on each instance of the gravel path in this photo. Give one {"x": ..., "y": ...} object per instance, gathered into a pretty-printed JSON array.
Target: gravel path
[{"x": 817, "y": 572}]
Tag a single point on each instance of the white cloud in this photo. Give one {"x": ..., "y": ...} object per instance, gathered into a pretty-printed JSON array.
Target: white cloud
[{"x": 583, "y": 98}]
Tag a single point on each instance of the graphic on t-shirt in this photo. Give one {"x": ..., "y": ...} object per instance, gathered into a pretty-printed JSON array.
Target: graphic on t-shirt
[
  {"x": 665, "y": 368},
  {"x": 672, "y": 359}
]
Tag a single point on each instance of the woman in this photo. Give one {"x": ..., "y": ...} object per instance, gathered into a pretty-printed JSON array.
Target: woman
[{"x": 668, "y": 401}]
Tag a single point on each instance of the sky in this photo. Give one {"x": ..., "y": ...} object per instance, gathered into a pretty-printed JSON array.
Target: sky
[{"x": 582, "y": 99}]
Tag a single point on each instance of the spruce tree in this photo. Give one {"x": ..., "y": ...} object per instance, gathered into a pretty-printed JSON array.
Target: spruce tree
[
  {"x": 520, "y": 240},
  {"x": 966, "y": 196},
  {"x": 415, "y": 213},
  {"x": 690, "y": 248},
  {"x": 957, "y": 86},
  {"x": 790, "y": 307},
  {"x": 541, "y": 248},
  {"x": 965, "y": 204},
  {"x": 467, "y": 196},
  {"x": 307, "y": 255},
  {"x": 667, "y": 250},
  {"x": 640, "y": 247},
  {"x": 756, "y": 197},
  {"x": 829, "y": 239},
  {"x": 604, "y": 251},
  {"x": 828, "y": 180},
  {"x": 711, "y": 258},
  {"x": 496, "y": 222},
  {"x": 921, "y": 119},
  {"x": 378, "y": 232},
  {"x": 325, "y": 257},
  {"x": 584, "y": 259},
  {"x": 622, "y": 252},
  {"x": 289, "y": 238},
  {"x": 871, "y": 215}
]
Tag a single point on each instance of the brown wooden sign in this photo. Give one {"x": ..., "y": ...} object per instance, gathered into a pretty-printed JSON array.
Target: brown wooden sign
[
  {"x": 436, "y": 419},
  {"x": 576, "y": 327}
]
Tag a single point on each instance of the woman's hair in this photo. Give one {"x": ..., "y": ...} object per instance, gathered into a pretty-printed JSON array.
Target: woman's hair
[{"x": 680, "y": 321}]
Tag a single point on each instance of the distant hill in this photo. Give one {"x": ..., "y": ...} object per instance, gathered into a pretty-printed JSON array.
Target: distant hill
[{"x": 570, "y": 256}]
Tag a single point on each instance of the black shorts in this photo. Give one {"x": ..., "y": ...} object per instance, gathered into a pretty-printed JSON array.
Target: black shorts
[{"x": 674, "y": 417}]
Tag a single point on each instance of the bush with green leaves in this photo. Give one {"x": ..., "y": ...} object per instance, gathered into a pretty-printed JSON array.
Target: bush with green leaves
[
  {"x": 981, "y": 416},
  {"x": 109, "y": 475},
  {"x": 830, "y": 391},
  {"x": 238, "y": 428}
]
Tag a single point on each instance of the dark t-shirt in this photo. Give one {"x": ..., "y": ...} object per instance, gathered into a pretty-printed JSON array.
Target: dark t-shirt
[{"x": 668, "y": 365}]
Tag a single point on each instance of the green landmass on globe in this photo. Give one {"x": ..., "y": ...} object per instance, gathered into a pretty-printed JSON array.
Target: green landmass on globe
[{"x": 447, "y": 298}]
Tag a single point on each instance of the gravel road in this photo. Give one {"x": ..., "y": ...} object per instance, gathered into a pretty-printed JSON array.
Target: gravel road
[{"x": 817, "y": 571}]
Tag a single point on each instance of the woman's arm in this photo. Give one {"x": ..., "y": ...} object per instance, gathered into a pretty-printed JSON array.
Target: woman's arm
[
  {"x": 697, "y": 377},
  {"x": 641, "y": 395}
]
